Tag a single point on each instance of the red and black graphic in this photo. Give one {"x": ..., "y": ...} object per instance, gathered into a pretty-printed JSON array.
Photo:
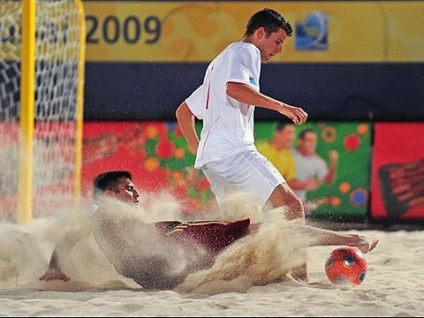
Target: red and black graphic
[
  {"x": 398, "y": 172},
  {"x": 402, "y": 186}
]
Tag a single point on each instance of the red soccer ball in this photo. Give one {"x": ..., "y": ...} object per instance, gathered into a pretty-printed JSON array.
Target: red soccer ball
[{"x": 346, "y": 266}]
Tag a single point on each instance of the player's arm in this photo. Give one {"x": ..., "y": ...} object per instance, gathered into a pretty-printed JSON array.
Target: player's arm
[
  {"x": 61, "y": 251},
  {"x": 309, "y": 184},
  {"x": 186, "y": 121},
  {"x": 248, "y": 95},
  {"x": 331, "y": 174}
]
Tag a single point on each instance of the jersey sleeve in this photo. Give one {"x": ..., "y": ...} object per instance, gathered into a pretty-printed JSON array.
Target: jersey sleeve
[
  {"x": 244, "y": 66},
  {"x": 322, "y": 169},
  {"x": 196, "y": 102}
]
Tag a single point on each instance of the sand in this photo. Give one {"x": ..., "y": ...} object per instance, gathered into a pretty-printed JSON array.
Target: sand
[{"x": 393, "y": 286}]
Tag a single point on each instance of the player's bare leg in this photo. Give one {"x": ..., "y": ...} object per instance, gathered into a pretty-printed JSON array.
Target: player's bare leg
[
  {"x": 322, "y": 237},
  {"x": 284, "y": 196}
]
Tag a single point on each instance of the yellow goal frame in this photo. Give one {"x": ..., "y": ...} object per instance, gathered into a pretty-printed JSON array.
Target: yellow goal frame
[{"x": 27, "y": 103}]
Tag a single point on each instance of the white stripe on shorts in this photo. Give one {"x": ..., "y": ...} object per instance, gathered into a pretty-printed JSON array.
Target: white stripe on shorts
[{"x": 248, "y": 172}]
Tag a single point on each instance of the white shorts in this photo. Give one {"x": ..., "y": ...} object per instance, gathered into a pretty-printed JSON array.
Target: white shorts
[{"x": 247, "y": 172}]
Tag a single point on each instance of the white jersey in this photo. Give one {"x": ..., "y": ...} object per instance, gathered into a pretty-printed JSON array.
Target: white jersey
[
  {"x": 228, "y": 125},
  {"x": 309, "y": 167}
]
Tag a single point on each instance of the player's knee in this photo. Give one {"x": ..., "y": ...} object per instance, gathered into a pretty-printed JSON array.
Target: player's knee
[{"x": 283, "y": 196}]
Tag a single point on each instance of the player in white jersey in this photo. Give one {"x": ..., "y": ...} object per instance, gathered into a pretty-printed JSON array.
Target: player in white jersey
[
  {"x": 310, "y": 167},
  {"x": 226, "y": 102}
]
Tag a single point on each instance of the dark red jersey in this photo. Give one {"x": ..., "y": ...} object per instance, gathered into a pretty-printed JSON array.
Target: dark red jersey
[{"x": 214, "y": 236}]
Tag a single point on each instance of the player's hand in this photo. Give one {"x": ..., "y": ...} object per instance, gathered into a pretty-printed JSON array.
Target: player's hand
[
  {"x": 54, "y": 274},
  {"x": 296, "y": 114},
  {"x": 334, "y": 156},
  {"x": 312, "y": 184}
]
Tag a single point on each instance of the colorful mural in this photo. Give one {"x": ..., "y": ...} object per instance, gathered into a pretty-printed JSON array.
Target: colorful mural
[
  {"x": 158, "y": 156},
  {"x": 155, "y": 153},
  {"x": 347, "y": 196}
]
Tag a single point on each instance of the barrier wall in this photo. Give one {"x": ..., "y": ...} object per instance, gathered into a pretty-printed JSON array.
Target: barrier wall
[
  {"x": 379, "y": 175},
  {"x": 347, "y": 60},
  {"x": 380, "y": 178}
]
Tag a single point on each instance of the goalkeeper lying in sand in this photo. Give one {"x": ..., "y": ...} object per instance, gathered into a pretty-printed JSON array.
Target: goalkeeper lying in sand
[{"x": 161, "y": 255}]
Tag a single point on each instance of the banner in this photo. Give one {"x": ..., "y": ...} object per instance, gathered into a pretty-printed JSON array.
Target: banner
[
  {"x": 158, "y": 157},
  {"x": 196, "y": 31},
  {"x": 398, "y": 171}
]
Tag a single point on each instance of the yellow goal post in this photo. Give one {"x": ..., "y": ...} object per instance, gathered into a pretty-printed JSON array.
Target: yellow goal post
[{"x": 42, "y": 56}]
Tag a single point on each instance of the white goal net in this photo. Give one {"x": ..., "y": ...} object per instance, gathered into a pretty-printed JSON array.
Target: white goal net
[{"x": 55, "y": 147}]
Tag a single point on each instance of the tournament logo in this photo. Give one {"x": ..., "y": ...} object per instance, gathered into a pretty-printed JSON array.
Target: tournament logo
[
  {"x": 252, "y": 80},
  {"x": 312, "y": 32}
]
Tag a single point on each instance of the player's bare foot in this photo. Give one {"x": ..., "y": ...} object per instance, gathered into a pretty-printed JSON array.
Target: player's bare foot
[{"x": 366, "y": 245}]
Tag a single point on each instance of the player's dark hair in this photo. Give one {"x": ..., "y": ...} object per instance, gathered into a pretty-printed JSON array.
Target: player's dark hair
[
  {"x": 109, "y": 181},
  {"x": 283, "y": 124},
  {"x": 305, "y": 131},
  {"x": 269, "y": 19}
]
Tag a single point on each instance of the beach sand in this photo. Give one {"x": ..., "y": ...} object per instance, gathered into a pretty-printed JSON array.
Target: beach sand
[{"x": 393, "y": 286}]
